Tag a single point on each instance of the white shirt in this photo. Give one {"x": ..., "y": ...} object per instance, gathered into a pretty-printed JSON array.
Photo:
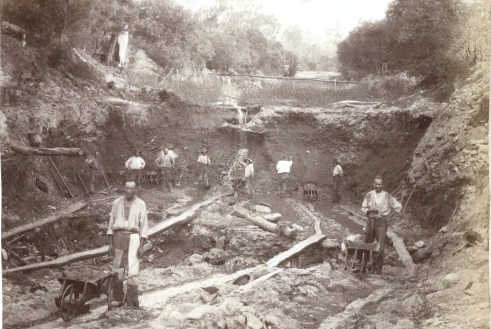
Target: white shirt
[
  {"x": 249, "y": 170},
  {"x": 337, "y": 171},
  {"x": 383, "y": 202},
  {"x": 204, "y": 159},
  {"x": 283, "y": 166},
  {"x": 135, "y": 163}
]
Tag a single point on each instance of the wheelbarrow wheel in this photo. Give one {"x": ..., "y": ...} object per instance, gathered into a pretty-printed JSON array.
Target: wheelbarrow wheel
[
  {"x": 110, "y": 293},
  {"x": 68, "y": 304}
]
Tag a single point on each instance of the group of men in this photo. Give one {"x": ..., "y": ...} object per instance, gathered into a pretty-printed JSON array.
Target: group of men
[{"x": 128, "y": 223}]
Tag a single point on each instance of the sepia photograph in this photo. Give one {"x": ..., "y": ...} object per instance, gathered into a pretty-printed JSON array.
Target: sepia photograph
[{"x": 245, "y": 164}]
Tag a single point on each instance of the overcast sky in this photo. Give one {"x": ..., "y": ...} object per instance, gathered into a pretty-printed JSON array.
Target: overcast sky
[{"x": 315, "y": 16}]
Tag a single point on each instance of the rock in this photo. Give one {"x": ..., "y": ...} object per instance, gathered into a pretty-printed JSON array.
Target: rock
[
  {"x": 198, "y": 312},
  {"x": 271, "y": 319},
  {"x": 451, "y": 279},
  {"x": 230, "y": 306},
  {"x": 262, "y": 209},
  {"x": 420, "y": 244},
  {"x": 412, "y": 304},
  {"x": 275, "y": 217},
  {"x": 253, "y": 321},
  {"x": 206, "y": 298},
  {"x": 404, "y": 324},
  {"x": 178, "y": 316},
  {"x": 444, "y": 229},
  {"x": 195, "y": 259}
]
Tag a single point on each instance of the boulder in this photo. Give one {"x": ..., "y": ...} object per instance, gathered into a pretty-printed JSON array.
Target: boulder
[
  {"x": 253, "y": 321},
  {"x": 198, "y": 312},
  {"x": 451, "y": 279},
  {"x": 262, "y": 209}
]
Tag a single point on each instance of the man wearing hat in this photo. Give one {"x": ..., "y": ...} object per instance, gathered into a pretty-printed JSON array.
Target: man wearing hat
[{"x": 203, "y": 165}]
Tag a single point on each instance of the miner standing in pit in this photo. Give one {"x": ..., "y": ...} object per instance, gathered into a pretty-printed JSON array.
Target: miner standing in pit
[
  {"x": 127, "y": 231},
  {"x": 337, "y": 175},
  {"x": 378, "y": 206},
  {"x": 135, "y": 165},
  {"x": 165, "y": 162},
  {"x": 284, "y": 167}
]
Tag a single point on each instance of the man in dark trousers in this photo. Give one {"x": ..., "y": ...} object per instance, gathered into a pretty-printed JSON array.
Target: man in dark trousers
[
  {"x": 165, "y": 162},
  {"x": 337, "y": 175},
  {"x": 127, "y": 231},
  {"x": 378, "y": 206}
]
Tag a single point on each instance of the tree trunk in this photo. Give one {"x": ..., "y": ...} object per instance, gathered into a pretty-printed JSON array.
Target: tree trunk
[
  {"x": 47, "y": 151},
  {"x": 71, "y": 209},
  {"x": 266, "y": 225},
  {"x": 296, "y": 249}
]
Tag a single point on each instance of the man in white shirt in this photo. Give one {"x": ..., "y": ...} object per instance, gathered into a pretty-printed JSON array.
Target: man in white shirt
[
  {"x": 204, "y": 163},
  {"x": 337, "y": 175},
  {"x": 127, "y": 231},
  {"x": 135, "y": 165},
  {"x": 283, "y": 167},
  {"x": 249, "y": 175},
  {"x": 165, "y": 162},
  {"x": 378, "y": 205}
]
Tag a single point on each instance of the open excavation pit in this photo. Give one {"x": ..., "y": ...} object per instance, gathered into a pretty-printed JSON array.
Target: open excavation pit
[{"x": 215, "y": 268}]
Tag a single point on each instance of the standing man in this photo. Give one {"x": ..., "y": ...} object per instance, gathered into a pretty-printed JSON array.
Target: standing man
[
  {"x": 165, "y": 162},
  {"x": 127, "y": 231},
  {"x": 204, "y": 163},
  {"x": 135, "y": 165},
  {"x": 337, "y": 175},
  {"x": 378, "y": 205},
  {"x": 94, "y": 167},
  {"x": 249, "y": 175},
  {"x": 283, "y": 167}
]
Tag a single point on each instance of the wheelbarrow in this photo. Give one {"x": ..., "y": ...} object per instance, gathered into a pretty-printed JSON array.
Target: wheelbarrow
[
  {"x": 310, "y": 192},
  {"x": 365, "y": 250},
  {"x": 76, "y": 292}
]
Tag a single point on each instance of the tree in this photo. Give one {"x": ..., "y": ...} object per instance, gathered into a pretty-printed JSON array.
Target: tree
[{"x": 416, "y": 36}]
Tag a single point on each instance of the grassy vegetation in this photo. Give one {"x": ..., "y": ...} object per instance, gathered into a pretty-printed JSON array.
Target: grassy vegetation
[{"x": 321, "y": 94}]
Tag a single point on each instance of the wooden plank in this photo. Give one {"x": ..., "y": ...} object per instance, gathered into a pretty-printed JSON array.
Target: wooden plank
[
  {"x": 296, "y": 249},
  {"x": 317, "y": 222},
  {"x": 47, "y": 151},
  {"x": 69, "y": 210},
  {"x": 400, "y": 247}
]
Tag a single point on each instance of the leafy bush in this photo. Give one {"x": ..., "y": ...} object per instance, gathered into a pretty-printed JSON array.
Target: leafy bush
[{"x": 415, "y": 37}]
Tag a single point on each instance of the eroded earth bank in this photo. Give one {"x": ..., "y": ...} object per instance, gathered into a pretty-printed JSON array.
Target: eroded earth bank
[{"x": 217, "y": 269}]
